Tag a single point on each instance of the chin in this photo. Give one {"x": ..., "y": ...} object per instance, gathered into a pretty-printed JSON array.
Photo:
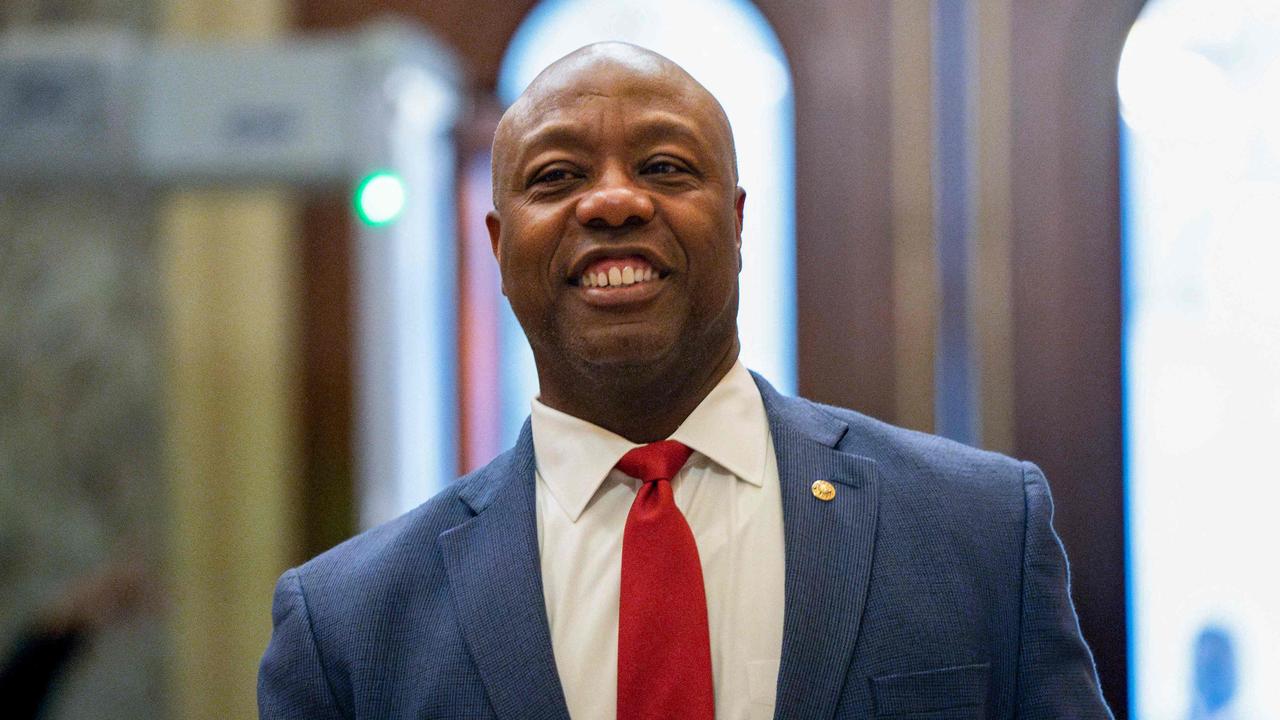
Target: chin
[
  {"x": 632, "y": 361},
  {"x": 640, "y": 354}
]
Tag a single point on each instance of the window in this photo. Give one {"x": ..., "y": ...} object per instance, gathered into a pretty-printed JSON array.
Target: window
[{"x": 1199, "y": 87}]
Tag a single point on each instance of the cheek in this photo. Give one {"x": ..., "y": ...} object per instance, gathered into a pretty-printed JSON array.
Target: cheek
[
  {"x": 715, "y": 283},
  {"x": 528, "y": 247},
  {"x": 527, "y": 260},
  {"x": 717, "y": 253}
]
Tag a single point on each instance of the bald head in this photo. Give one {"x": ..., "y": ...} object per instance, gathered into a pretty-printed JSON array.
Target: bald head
[{"x": 606, "y": 69}]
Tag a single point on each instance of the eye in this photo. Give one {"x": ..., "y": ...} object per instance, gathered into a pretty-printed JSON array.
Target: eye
[
  {"x": 552, "y": 176},
  {"x": 662, "y": 167}
]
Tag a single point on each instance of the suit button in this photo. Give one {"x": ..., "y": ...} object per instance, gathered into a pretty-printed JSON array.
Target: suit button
[{"x": 823, "y": 490}]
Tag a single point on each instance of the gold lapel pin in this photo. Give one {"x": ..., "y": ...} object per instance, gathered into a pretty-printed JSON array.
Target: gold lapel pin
[{"x": 823, "y": 490}]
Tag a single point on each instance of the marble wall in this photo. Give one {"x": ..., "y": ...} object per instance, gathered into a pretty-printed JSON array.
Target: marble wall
[{"x": 81, "y": 414}]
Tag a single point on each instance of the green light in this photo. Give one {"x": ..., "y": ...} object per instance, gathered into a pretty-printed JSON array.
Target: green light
[{"x": 380, "y": 198}]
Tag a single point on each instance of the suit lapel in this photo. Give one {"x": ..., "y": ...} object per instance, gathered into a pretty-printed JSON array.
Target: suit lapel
[
  {"x": 495, "y": 581},
  {"x": 828, "y": 551}
]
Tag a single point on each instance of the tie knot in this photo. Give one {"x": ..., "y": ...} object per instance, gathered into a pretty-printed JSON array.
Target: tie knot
[{"x": 655, "y": 461}]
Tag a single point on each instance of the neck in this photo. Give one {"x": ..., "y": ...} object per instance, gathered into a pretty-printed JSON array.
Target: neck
[{"x": 637, "y": 403}]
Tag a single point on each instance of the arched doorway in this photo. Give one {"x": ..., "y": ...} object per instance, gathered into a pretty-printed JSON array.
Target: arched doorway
[{"x": 729, "y": 46}]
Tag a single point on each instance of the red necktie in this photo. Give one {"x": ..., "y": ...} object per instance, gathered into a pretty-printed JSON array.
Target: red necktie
[{"x": 664, "y": 647}]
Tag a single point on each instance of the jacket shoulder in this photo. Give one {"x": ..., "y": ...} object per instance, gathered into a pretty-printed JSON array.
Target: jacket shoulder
[
  {"x": 368, "y": 554},
  {"x": 399, "y": 549},
  {"x": 910, "y": 458},
  {"x": 900, "y": 454}
]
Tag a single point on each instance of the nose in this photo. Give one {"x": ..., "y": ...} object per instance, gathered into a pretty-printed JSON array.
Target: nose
[{"x": 615, "y": 201}]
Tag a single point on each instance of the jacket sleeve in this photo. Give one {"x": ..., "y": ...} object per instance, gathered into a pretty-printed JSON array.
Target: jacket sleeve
[
  {"x": 291, "y": 680},
  {"x": 1056, "y": 674}
]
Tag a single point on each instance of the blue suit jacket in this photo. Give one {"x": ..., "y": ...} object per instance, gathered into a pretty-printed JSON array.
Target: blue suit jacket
[{"x": 931, "y": 586}]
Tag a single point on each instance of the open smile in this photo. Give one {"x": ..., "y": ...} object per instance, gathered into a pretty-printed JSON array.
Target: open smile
[
  {"x": 619, "y": 280},
  {"x": 617, "y": 272}
]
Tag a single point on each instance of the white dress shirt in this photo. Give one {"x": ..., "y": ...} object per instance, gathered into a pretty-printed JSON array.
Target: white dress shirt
[{"x": 728, "y": 492}]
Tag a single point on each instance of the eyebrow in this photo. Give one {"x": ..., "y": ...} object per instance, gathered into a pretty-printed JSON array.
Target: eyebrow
[
  {"x": 665, "y": 125},
  {"x": 561, "y": 133}
]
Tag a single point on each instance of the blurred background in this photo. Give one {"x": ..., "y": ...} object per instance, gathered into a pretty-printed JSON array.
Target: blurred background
[{"x": 248, "y": 305}]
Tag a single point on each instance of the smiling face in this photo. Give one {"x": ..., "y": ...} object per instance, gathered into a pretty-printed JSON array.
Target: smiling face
[{"x": 618, "y": 223}]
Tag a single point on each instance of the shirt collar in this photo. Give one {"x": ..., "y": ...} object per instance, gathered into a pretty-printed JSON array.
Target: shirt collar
[{"x": 729, "y": 427}]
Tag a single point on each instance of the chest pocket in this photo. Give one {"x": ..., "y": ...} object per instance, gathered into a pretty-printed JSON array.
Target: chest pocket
[{"x": 944, "y": 694}]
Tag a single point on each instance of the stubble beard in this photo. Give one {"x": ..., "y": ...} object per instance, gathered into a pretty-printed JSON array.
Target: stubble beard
[{"x": 575, "y": 381}]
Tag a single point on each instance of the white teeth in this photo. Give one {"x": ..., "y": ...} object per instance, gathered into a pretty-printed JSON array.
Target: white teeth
[{"x": 618, "y": 277}]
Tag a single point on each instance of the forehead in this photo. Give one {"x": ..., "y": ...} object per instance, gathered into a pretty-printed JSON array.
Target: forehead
[
  {"x": 635, "y": 122},
  {"x": 647, "y": 106}
]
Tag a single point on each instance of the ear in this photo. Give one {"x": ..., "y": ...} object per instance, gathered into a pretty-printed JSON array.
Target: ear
[
  {"x": 493, "y": 222},
  {"x": 739, "y": 202}
]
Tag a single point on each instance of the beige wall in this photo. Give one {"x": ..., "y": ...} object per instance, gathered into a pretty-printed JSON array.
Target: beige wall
[{"x": 228, "y": 262}]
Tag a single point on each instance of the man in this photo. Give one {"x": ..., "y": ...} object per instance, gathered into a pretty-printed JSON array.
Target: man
[{"x": 670, "y": 537}]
